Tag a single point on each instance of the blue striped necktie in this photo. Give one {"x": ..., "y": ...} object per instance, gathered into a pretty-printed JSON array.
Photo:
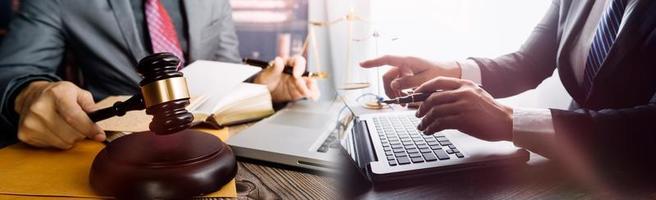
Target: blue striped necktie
[{"x": 604, "y": 38}]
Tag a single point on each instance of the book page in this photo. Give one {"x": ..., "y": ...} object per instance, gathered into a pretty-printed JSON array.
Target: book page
[{"x": 214, "y": 81}]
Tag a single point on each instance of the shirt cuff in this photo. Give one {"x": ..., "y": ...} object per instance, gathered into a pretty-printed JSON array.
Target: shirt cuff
[
  {"x": 470, "y": 71},
  {"x": 533, "y": 129}
]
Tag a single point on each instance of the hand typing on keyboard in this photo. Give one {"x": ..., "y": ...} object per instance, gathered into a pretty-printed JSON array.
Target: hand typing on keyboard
[{"x": 463, "y": 105}]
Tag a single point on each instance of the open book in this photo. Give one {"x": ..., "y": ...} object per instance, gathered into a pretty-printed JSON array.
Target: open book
[
  {"x": 246, "y": 103},
  {"x": 219, "y": 97}
]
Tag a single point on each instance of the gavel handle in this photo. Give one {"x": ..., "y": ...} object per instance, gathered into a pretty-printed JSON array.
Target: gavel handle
[{"x": 118, "y": 109}]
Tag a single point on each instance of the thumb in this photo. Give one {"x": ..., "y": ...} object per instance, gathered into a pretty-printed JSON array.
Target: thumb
[
  {"x": 440, "y": 83},
  {"x": 85, "y": 100}
]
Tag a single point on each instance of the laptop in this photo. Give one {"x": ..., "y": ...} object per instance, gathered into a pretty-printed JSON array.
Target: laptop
[
  {"x": 387, "y": 146},
  {"x": 304, "y": 135}
]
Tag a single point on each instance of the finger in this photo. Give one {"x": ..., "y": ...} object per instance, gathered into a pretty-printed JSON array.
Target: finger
[
  {"x": 440, "y": 111},
  {"x": 436, "y": 99},
  {"x": 53, "y": 140},
  {"x": 50, "y": 127},
  {"x": 439, "y": 83},
  {"x": 35, "y": 133},
  {"x": 412, "y": 81},
  {"x": 299, "y": 63},
  {"x": 314, "y": 89},
  {"x": 388, "y": 77},
  {"x": 278, "y": 65},
  {"x": 65, "y": 132},
  {"x": 293, "y": 92},
  {"x": 440, "y": 124},
  {"x": 396, "y": 61},
  {"x": 69, "y": 109},
  {"x": 414, "y": 105},
  {"x": 301, "y": 86}
]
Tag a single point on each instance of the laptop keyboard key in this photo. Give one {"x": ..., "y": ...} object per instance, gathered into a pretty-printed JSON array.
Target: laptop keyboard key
[
  {"x": 460, "y": 155},
  {"x": 403, "y": 160},
  {"x": 323, "y": 148},
  {"x": 425, "y": 150},
  {"x": 390, "y": 158},
  {"x": 402, "y": 154},
  {"x": 430, "y": 157},
  {"x": 392, "y": 163},
  {"x": 435, "y": 147},
  {"x": 449, "y": 151},
  {"x": 444, "y": 143},
  {"x": 441, "y": 155},
  {"x": 417, "y": 160},
  {"x": 415, "y": 155}
]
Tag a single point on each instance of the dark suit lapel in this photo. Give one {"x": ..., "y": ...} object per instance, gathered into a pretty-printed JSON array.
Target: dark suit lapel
[
  {"x": 580, "y": 10},
  {"x": 640, "y": 23},
  {"x": 198, "y": 14},
  {"x": 125, "y": 18}
]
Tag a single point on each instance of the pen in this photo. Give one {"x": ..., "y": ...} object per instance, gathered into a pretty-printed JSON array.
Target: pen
[
  {"x": 288, "y": 69},
  {"x": 416, "y": 97}
]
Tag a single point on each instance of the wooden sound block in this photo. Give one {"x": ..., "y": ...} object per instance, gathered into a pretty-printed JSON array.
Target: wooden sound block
[{"x": 176, "y": 166}]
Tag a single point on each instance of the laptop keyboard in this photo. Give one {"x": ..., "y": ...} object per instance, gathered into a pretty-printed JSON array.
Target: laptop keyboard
[
  {"x": 404, "y": 144},
  {"x": 331, "y": 142}
]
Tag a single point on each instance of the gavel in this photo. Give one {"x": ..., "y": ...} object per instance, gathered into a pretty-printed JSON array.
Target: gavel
[
  {"x": 164, "y": 95},
  {"x": 170, "y": 161}
]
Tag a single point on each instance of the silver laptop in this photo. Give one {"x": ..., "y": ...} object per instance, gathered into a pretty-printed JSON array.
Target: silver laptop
[
  {"x": 387, "y": 146},
  {"x": 303, "y": 134}
]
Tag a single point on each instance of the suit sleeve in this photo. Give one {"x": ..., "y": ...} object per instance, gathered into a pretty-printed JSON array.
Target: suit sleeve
[
  {"x": 613, "y": 138},
  {"x": 228, "y": 50},
  {"x": 525, "y": 69},
  {"x": 32, "y": 50}
]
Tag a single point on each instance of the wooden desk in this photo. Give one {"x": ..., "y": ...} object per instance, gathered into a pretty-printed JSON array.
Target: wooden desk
[
  {"x": 539, "y": 179},
  {"x": 261, "y": 181}
]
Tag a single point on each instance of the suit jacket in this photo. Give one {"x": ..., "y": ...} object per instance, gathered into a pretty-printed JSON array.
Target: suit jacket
[
  {"x": 615, "y": 123},
  {"x": 102, "y": 37}
]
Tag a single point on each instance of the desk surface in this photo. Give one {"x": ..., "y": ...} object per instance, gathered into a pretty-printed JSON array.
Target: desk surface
[{"x": 539, "y": 179}]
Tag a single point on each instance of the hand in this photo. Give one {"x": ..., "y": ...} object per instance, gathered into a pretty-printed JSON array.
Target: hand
[
  {"x": 284, "y": 87},
  {"x": 410, "y": 72},
  {"x": 465, "y": 106},
  {"x": 54, "y": 115}
]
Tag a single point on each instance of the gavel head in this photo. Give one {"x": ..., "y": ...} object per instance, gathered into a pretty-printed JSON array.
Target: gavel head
[{"x": 165, "y": 93}]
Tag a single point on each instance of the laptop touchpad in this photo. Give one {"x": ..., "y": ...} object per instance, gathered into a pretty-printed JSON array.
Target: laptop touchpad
[{"x": 303, "y": 119}]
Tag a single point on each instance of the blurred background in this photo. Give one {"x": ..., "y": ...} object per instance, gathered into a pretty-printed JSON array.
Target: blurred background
[{"x": 336, "y": 35}]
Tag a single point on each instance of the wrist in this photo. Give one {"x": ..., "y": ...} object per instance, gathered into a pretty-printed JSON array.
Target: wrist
[
  {"x": 27, "y": 93},
  {"x": 508, "y": 123}
]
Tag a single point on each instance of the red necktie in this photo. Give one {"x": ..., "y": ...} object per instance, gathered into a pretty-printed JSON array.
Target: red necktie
[{"x": 161, "y": 30}]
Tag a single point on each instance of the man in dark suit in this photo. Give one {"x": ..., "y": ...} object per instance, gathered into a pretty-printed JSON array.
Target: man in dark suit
[
  {"x": 604, "y": 52},
  {"x": 107, "y": 38}
]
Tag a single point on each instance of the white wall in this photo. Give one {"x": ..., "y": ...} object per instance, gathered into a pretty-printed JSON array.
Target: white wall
[{"x": 437, "y": 30}]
